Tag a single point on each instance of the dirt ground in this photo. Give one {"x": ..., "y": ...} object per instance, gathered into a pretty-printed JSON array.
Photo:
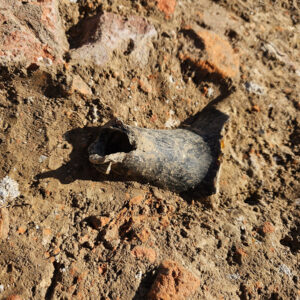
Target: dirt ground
[{"x": 74, "y": 234}]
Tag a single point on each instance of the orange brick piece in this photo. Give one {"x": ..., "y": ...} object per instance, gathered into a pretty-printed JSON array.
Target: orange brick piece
[
  {"x": 256, "y": 108},
  {"x": 268, "y": 228},
  {"x": 14, "y": 297},
  {"x": 22, "y": 230},
  {"x": 166, "y": 6},
  {"x": 173, "y": 282},
  {"x": 144, "y": 253},
  {"x": 221, "y": 57},
  {"x": 218, "y": 56}
]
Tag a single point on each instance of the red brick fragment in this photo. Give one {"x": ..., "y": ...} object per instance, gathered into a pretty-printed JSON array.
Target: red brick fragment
[
  {"x": 106, "y": 33},
  {"x": 44, "y": 42},
  {"x": 173, "y": 282}
]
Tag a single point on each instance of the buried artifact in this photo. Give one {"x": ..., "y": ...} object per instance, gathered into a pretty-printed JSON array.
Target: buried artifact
[{"x": 179, "y": 160}]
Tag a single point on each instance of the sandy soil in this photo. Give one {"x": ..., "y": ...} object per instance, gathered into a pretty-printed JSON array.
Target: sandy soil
[{"x": 73, "y": 234}]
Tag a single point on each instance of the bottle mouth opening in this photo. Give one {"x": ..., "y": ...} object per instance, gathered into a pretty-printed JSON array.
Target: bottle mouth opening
[{"x": 113, "y": 140}]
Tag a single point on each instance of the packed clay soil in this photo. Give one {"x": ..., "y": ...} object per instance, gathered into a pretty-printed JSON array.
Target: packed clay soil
[{"x": 75, "y": 234}]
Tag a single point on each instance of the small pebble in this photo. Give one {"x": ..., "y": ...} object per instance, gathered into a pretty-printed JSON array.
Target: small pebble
[
  {"x": 210, "y": 92},
  {"x": 261, "y": 132},
  {"x": 42, "y": 158},
  {"x": 9, "y": 190},
  {"x": 47, "y": 61},
  {"x": 29, "y": 100},
  {"x": 285, "y": 269},
  {"x": 234, "y": 276},
  {"x": 138, "y": 275},
  {"x": 254, "y": 88}
]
